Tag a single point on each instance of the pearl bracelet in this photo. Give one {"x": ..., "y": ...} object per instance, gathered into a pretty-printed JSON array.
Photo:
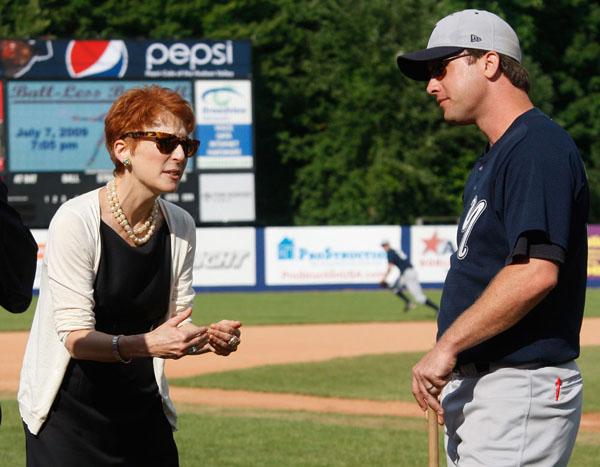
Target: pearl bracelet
[{"x": 115, "y": 350}]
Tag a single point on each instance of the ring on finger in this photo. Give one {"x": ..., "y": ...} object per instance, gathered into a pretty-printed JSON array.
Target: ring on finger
[
  {"x": 233, "y": 342},
  {"x": 192, "y": 350}
]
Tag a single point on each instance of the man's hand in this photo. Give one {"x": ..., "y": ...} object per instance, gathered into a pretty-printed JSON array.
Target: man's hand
[
  {"x": 430, "y": 375},
  {"x": 383, "y": 284}
]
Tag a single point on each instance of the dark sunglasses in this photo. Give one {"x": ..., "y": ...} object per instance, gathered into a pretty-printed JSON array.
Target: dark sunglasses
[
  {"x": 166, "y": 142},
  {"x": 438, "y": 67}
]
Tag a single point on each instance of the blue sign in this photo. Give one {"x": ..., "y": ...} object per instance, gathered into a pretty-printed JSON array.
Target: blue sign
[{"x": 58, "y": 126}]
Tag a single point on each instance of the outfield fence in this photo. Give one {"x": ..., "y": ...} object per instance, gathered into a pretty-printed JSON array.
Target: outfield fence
[{"x": 322, "y": 257}]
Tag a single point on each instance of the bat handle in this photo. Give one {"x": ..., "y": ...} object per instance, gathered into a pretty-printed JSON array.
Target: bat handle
[{"x": 432, "y": 435}]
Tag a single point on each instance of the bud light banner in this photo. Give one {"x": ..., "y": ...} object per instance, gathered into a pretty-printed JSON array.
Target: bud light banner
[
  {"x": 593, "y": 268},
  {"x": 431, "y": 248},
  {"x": 327, "y": 255},
  {"x": 124, "y": 59},
  {"x": 58, "y": 126}
]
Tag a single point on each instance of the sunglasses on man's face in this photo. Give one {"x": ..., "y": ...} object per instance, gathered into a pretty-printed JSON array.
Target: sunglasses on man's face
[
  {"x": 166, "y": 142},
  {"x": 437, "y": 68}
]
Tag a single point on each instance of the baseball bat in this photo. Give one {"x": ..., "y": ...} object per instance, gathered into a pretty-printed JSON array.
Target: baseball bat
[{"x": 432, "y": 435}]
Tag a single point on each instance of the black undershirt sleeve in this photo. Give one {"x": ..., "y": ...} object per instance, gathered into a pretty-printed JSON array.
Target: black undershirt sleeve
[{"x": 536, "y": 245}]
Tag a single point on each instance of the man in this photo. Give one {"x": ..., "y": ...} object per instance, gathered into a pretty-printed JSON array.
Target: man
[
  {"x": 512, "y": 306},
  {"x": 407, "y": 279},
  {"x": 18, "y": 256}
]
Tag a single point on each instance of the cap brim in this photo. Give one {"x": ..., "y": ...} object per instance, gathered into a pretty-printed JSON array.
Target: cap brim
[{"x": 414, "y": 64}]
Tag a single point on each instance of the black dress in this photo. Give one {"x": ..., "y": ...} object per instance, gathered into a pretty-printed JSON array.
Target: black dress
[{"x": 111, "y": 414}]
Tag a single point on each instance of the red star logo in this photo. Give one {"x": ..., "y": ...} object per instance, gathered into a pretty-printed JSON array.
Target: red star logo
[{"x": 432, "y": 243}]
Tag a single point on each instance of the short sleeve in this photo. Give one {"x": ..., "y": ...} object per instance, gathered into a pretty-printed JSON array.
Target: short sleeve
[
  {"x": 538, "y": 193},
  {"x": 535, "y": 245}
]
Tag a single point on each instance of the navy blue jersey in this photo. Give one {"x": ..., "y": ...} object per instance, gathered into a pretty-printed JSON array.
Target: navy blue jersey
[
  {"x": 400, "y": 261},
  {"x": 530, "y": 185}
]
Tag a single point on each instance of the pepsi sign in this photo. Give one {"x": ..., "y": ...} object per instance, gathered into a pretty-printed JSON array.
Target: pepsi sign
[
  {"x": 124, "y": 59},
  {"x": 96, "y": 59},
  {"x": 193, "y": 58}
]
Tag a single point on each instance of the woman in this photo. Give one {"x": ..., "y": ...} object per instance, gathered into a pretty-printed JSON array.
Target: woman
[{"x": 115, "y": 300}]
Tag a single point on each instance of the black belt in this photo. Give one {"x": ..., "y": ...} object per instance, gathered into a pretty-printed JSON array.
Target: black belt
[
  {"x": 473, "y": 369},
  {"x": 481, "y": 368}
]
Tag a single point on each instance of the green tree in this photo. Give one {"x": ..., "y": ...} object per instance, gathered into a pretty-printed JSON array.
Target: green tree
[{"x": 341, "y": 136}]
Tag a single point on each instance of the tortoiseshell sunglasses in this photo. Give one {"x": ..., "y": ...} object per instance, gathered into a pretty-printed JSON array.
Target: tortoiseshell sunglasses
[{"x": 166, "y": 142}]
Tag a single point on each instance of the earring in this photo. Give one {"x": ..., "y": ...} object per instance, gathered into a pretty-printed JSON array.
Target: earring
[{"x": 127, "y": 163}]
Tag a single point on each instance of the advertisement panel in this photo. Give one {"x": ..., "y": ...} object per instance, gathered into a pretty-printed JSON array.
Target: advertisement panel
[
  {"x": 126, "y": 59},
  {"x": 225, "y": 257},
  {"x": 58, "y": 126},
  {"x": 431, "y": 248},
  {"x": 224, "y": 118},
  {"x": 227, "y": 197},
  {"x": 593, "y": 268},
  {"x": 40, "y": 236},
  {"x": 327, "y": 255}
]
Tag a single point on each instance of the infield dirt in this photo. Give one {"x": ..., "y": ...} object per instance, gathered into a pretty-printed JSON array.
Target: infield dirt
[{"x": 266, "y": 345}]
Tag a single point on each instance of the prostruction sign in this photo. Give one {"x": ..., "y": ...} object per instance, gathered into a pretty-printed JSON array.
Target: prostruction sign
[{"x": 327, "y": 255}]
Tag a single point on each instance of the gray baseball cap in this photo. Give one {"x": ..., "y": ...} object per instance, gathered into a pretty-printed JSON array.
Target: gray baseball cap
[{"x": 467, "y": 29}]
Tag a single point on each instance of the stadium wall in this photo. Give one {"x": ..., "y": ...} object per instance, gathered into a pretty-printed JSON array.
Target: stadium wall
[{"x": 321, "y": 258}]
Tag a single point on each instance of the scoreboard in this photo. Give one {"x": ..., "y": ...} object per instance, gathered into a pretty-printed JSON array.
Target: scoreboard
[{"x": 56, "y": 93}]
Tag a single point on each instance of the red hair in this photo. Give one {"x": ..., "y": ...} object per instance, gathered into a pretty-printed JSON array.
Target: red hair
[{"x": 139, "y": 108}]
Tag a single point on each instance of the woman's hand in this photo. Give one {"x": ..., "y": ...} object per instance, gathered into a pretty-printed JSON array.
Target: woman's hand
[
  {"x": 172, "y": 339},
  {"x": 224, "y": 336}
]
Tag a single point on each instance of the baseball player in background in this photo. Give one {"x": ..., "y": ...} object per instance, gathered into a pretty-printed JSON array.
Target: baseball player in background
[
  {"x": 407, "y": 280},
  {"x": 502, "y": 374}
]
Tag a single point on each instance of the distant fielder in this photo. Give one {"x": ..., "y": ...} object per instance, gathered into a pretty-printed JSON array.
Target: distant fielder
[{"x": 407, "y": 280}]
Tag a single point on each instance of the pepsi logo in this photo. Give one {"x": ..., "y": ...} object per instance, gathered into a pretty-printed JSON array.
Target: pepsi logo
[{"x": 98, "y": 59}]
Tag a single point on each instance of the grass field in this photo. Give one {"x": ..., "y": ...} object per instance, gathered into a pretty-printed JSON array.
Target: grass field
[
  {"x": 251, "y": 438},
  {"x": 353, "y": 378},
  {"x": 211, "y": 436},
  {"x": 298, "y": 308}
]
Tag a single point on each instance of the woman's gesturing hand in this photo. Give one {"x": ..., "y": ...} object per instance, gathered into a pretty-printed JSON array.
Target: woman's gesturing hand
[
  {"x": 174, "y": 340},
  {"x": 225, "y": 336}
]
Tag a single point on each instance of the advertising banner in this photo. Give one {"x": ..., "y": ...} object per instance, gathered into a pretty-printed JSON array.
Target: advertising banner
[
  {"x": 594, "y": 253},
  {"x": 225, "y": 257},
  {"x": 58, "y": 126},
  {"x": 431, "y": 248},
  {"x": 40, "y": 236},
  {"x": 227, "y": 197},
  {"x": 224, "y": 118},
  {"x": 124, "y": 59},
  {"x": 327, "y": 255}
]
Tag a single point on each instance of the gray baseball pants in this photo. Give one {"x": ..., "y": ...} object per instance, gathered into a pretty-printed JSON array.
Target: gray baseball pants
[
  {"x": 523, "y": 416},
  {"x": 410, "y": 280}
]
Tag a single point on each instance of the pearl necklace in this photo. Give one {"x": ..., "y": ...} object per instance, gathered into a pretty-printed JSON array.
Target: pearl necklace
[{"x": 117, "y": 211}]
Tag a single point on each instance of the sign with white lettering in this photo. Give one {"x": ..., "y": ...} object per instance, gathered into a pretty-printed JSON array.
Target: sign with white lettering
[
  {"x": 327, "y": 255},
  {"x": 224, "y": 117},
  {"x": 225, "y": 257}
]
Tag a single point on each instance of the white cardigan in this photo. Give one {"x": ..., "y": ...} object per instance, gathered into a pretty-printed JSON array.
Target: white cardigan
[{"x": 66, "y": 300}]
